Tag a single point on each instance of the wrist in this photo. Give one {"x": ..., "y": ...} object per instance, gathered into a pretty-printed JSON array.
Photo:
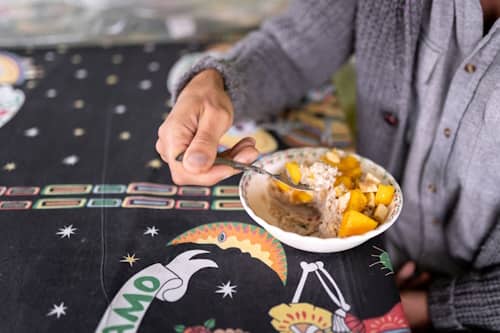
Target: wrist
[{"x": 208, "y": 78}]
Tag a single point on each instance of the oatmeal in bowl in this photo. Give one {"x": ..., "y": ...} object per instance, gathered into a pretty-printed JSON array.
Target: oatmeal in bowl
[{"x": 352, "y": 199}]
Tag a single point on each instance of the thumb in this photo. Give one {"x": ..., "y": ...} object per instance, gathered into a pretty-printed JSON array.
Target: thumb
[{"x": 202, "y": 150}]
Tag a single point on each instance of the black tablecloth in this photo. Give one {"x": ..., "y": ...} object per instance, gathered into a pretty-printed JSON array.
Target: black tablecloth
[{"x": 88, "y": 213}]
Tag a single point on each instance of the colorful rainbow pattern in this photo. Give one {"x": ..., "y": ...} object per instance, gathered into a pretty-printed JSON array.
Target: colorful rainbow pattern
[{"x": 246, "y": 237}]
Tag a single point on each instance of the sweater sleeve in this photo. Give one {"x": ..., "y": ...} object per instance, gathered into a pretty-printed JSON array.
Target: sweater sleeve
[
  {"x": 472, "y": 300},
  {"x": 291, "y": 53}
]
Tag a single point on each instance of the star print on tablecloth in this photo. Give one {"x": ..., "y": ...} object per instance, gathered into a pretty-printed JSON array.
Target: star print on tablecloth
[
  {"x": 31, "y": 132},
  {"x": 226, "y": 289},
  {"x": 145, "y": 85},
  {"x": 124, "y": 136},
  {"x": 130, "y": 259},
  {"x": 120, "y": 109},
  {"x": 154, "y": 164},
  {"x": 112, "y": 79},
  {"x": 10, "y": 166},
  {"x": 57, "y": 310},
  {"x": 66, "y": 231},
  {"x": 81, "y": 74},
  {"x": 70, "y": 160},
  {"x": 78, "y": 132},
  {"x": 153, "y": 231}
]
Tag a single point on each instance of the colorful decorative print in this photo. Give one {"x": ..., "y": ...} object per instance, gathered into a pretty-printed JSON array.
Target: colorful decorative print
[
  {"x": 384, "y": 260},
  {"x": 300, "y": 317},
  {"x": 246, "y": 237},
  {"x": 194, "y": 191},
  {"x": 14, "y": 70},
  {"x": 307, "y": 318},
  {"x": 104, "y": 202},
  {"x": 15, "y": 205},
  {"x": 109, "y": 189},
  {"x": 226, "y": 191},
  {"x": 60, "y": 203},
  {"x": 167, "y": 283},
  {"x": 192, "y": 205},
  {"x": 227, "y": 205},
  {"x": 148, "y": 202},
  {"x": 67, "y": 189},
  {"x": 207, "y": 327},
  {"x": 151, "y": 188},
  {"x": 393, "y": 321},
  {"x": 22, "y": 191},
  {"x": 11, "y": 100}
]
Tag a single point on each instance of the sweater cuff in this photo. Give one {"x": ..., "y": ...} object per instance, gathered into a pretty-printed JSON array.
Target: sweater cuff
[
  {"x": 232, "y": 80},
  {"x": 441, "y": 304}
]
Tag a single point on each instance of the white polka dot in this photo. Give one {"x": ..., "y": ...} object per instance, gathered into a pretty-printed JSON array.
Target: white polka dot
[
  {"x": 81, "y": 74},
  {"x": 31, "y": 132},
  {"x": 153, "y": 66},
  {"x": 51, "y": 93},
  {"x": 120, "y": 109},
  {"x": 70, "y": 160},
  {"x": 50, "y": 56},
  {"x": 145, "y": 85}
]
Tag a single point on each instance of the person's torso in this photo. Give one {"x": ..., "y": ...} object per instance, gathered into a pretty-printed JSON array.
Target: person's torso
[{"x": 450, "y": 115}]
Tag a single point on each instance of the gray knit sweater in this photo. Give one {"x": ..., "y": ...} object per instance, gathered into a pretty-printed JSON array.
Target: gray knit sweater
[{"x": 300, "y": 49}]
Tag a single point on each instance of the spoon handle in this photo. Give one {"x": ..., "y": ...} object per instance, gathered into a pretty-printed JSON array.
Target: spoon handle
[{"x": 228, "y": 162}]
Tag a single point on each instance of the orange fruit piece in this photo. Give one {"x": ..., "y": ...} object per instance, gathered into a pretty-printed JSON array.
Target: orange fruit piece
[
  {"x": 384, "y": 195},
  {"x": 355, "y": 223}
]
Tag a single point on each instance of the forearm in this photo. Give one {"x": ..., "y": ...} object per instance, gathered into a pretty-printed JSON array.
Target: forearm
[
  {"x": 471, "y": 301},
  {"x": 274, "y": 66}
]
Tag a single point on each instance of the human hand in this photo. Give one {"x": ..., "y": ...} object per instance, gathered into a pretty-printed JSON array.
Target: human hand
[
  {"x": 406, "y": 277},
  {"x": 202, "y": 114},
  {"x": 416, "y": 308}
]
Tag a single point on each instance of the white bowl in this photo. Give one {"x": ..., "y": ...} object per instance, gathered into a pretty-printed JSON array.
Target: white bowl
[{"x": 254, "y": 195}]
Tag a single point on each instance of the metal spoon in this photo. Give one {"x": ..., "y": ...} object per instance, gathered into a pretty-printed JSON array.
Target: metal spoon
[{"x": 249, "y": 167}]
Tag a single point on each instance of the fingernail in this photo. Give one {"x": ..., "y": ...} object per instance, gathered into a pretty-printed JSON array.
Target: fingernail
[{"x": 197, "y": 159}]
